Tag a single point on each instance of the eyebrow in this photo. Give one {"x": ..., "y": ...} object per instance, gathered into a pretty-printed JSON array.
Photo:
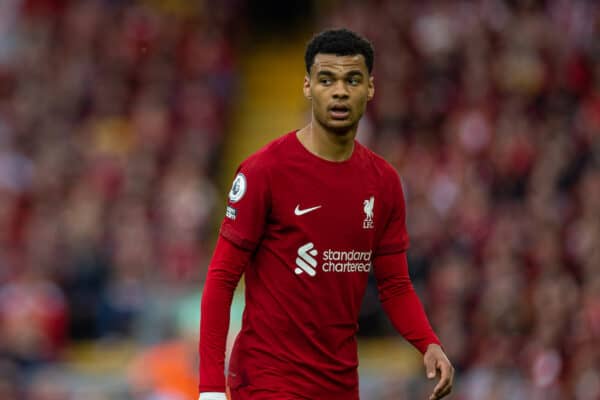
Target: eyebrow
[
  {"x": 354, "y": 72},
  {"x": 349, "y": 73}
]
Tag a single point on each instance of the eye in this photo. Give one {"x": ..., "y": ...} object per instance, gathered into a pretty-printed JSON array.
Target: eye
[
  {"x": 354, "y": 81},
  {"x": 325, "y": 81}
]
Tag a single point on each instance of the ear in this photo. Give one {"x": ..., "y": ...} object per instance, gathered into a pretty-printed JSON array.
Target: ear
[
  {"x": 306, "y": 87},
  {"x": 371, "y": 88}
]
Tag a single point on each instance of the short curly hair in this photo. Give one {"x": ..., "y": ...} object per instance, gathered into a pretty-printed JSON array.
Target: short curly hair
[{"x": 341, "y": 42}]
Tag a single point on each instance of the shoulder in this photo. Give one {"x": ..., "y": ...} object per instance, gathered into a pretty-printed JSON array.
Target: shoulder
[
  {"x": 379, "y": 165},
  {"x": 261, "y": 163},
  {"x": 267, "y": 156}
]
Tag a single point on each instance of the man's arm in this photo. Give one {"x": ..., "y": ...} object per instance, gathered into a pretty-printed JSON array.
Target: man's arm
[
  {"x": 403, "y": 307},
  {"x": 224, "y": 272}
]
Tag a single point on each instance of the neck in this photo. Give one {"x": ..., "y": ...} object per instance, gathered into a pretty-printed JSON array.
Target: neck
[{"x": 327, "y": 145}]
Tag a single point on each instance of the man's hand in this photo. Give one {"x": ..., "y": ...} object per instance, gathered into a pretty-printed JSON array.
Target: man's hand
[{"x": 434, "y": 360}]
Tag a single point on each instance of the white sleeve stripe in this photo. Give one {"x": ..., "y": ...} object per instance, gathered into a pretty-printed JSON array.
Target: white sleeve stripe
[{"x": 212, "y": 396}]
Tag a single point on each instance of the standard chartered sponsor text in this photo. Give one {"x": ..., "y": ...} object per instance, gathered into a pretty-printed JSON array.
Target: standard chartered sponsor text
[{"x": 346, "y": 261}]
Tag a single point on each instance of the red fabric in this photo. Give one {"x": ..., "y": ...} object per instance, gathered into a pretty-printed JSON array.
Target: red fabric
[
  {"x": 312, "y": 228},
  {"x": 400, "y": 301},
  {"x": 226, "y": 267},
  {"x": 250, "y": 393}
]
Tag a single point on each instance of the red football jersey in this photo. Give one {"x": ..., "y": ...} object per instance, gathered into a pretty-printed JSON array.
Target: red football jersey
[{"x": 314, "y": 227}]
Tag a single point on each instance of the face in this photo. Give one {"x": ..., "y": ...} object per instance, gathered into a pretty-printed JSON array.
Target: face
[{"x": 339, "y": 88}]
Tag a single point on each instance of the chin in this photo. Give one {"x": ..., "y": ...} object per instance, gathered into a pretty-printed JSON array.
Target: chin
[{"x": 340, "y": 128}]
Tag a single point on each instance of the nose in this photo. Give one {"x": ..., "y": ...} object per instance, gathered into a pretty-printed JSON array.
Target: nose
[{"x": 340, "y": 91}]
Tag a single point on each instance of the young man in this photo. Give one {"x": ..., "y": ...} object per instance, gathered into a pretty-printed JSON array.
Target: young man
[{"x": 308, "y": 217}]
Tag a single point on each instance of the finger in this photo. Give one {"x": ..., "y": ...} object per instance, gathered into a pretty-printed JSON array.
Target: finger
[
  {"x": 430, "y": 369},
  {"x": 444, "y": 393},
  {"x": 441, "y": 394},
  {"x": 442, "y": 386},
  {"x": 445, "y": 379}
]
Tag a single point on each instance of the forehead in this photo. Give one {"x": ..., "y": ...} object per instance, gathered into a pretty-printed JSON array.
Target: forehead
[{"x": 340, "y": 64}]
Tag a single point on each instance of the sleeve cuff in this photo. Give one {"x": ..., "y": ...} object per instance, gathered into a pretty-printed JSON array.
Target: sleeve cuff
[{"x": 212, "y": 396}]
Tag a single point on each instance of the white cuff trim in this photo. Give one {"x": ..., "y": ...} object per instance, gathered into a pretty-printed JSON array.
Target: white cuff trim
[{"x": 212, "y": 396}]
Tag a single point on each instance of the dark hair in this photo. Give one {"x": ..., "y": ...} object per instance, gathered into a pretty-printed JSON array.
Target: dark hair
[{"x": 341, "y": 42}]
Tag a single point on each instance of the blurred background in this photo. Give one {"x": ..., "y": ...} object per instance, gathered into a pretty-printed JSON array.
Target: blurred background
[{"x": 121, "y": 123}]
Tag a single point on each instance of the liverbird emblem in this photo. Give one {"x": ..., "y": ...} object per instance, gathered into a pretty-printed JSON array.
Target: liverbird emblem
[{"x": 368, "y": 209}]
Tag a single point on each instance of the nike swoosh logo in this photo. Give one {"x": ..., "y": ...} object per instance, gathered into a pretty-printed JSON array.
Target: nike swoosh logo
[{"x": 298, "y": 211}]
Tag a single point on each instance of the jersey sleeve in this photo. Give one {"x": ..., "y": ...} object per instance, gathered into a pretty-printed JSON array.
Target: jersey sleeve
[
  {"x": 224, "y": 272},
  {"x": 395, "y": 236},
  {"x": 248, "y": 205},
  {"x": 400, "y": 301}
]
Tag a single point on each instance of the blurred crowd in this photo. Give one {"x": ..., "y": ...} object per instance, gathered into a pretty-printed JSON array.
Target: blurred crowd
[
  {"x": 112, "y": 118},
  {"x": 490, "y": 110},
  {"x": 112, "y": 114}
]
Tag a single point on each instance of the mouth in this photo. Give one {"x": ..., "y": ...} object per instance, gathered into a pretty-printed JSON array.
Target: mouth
[{"x": 339, "y": 111}]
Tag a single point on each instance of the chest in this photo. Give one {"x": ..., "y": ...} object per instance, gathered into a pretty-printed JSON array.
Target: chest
[{"x": 344, "y": 210}]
